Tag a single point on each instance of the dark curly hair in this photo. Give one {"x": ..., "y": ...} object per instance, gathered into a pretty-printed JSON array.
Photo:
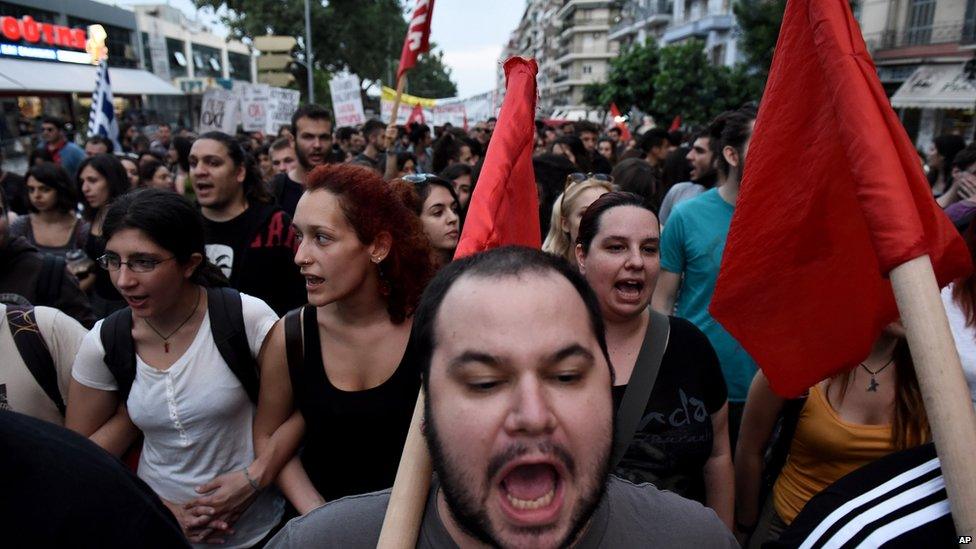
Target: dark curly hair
[{"x": 371, "y": 206}]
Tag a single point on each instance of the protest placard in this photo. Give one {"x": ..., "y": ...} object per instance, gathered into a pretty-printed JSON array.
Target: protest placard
[
  {"x": 281, "y": 105},
  {"x": 347, "y": 101},
  {"x": 219, "y": 111},
  {"x": 255, "y": 100}
]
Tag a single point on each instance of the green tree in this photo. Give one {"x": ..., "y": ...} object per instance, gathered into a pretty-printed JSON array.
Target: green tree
[
  {"x": 687, "y": 84},
  {"x": 629, "y": 80},
  {"x": 431, "y": 78},
  {"x": 759, "y": 21}
]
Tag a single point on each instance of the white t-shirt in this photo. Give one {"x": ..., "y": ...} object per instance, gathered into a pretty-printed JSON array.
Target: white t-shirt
[
  {"x": 965, "y": 337},
  {"x": 19, "y": 390},
  {"x": 195, "y": 416}
]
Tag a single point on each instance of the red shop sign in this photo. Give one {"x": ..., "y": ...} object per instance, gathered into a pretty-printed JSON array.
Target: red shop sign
[{"x": 29, "y": 30}]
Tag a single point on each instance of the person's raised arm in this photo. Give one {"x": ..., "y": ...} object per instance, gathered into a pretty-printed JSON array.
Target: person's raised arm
[{"x": 758, "y": 421}]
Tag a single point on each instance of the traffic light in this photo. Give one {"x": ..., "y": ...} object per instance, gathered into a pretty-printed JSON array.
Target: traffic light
[{"x": 276, "y": 61}]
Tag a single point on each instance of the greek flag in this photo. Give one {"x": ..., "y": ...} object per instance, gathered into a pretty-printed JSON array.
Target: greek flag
[{"x": 102, "y": 119}]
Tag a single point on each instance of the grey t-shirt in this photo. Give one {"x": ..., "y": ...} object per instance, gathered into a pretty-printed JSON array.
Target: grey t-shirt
[
  {"x": 676, "y": 195},
  {"x": 630, "y": 515}
]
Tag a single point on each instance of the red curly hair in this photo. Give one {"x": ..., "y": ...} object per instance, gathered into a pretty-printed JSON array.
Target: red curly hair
[{"x": 371, "y": 207}]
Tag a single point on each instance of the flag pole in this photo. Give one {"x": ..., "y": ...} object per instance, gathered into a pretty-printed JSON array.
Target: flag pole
[
  {"x": 401, "y": 82},
  {"x": 940, "y": 378},
  {"x": 408, "y": 499}
]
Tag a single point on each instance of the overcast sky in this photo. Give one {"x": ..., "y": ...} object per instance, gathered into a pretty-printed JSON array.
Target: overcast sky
[{"x": 471, "y": 34}]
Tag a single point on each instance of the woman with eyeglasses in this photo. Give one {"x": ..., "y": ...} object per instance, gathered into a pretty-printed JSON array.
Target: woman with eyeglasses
[
  {"x": 335, "y": 371},
  {"x": 189, "y": 401},
  {"x": 436, "y": 203},
  {"x": 52, "y": 226},
  {"x": 580, "y": 191},
  {"x": 681, "y": 442},
  {"x": 102, "y": 179}
]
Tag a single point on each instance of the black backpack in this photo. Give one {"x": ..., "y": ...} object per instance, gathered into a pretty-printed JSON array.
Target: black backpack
[
  {"x": 226, "y": 324},
  {"x": 33, "y": 350}
]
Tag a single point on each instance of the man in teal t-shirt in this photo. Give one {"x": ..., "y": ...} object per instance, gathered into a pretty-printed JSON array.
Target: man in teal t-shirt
[{"x": 691, "y": 254}]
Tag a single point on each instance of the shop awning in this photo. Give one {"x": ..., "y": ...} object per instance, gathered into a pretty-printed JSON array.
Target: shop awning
[
  {"x": 39, "y": 76},
  {"x": 936, "y": 87}
]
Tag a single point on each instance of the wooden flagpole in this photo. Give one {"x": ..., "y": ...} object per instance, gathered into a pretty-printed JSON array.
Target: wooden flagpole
[
  {"x": 408, "y": 499},
  {"x": 944, "y": 389},
  {"x": 401, "y": 82}
]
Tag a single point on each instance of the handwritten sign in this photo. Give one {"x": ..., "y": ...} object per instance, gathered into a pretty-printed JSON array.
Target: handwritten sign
[{"x": 347, "y": 101}]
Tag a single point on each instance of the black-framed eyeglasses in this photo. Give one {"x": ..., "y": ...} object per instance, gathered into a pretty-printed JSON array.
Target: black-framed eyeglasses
[{"x": 112, "y": 262}]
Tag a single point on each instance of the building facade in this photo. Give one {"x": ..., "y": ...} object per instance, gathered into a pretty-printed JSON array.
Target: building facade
[
  {"x": 711, "y": 21},
  {"x": 642, "y": 20},
  {"x": 921, "y": 48}
]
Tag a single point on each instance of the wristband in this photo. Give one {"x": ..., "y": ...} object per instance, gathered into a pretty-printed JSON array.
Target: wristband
[{"x": 251, "y": 481}]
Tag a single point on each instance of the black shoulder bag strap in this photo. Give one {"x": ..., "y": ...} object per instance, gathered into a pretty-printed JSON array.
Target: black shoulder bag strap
[
  {"x": 230, "y": 336},
  {"x": 294, "y": 351},
  {"x": 34, "y": 352},
  {"x": 49, "y": 282},
  {"x": 120, "y": 350},
  {"x": 641, "y": 384}
]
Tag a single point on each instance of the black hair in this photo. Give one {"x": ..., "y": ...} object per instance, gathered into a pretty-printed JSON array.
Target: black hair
[
  {"x": 948, "y": 146},
  {"x": 102, "y": 140},
  {"x": 551, "y": 171},
  {"x": 635, "y": 175},
  {"x": 53, "y": 120},
  {"x": 579, "y": 151},
  {"x": 676, "y": 138},
  {"x": 281, "y": 143},
  {"x": 446, "y": 149},
  {"x": 422, "y": 191},
  {"x": 730, "y": 129},
  {"x": 677, "y": 169},
  {"x": 586, "y": 126},
  {"x": 182, "y": 146},
  {"x": 472, "y": 144},
  {"x": 283, "y": 128},
  {"x": 508, "y": 261},
  {"x": 147, "y": 171},
  {"x": 169, "y": 220},
  {"x": 40, "y": 153},
  {"x": 311, "y": 111},
  {"x": 590, "y": 222},
  {"x": 372, "y": 126},
  {"x": 654, "y": 137},
  {"x": 254, "y": 189},
  {"x": 455, "y": 171},
  {"x": 344, "y": 133},
  {"x": 418, "y": 131},
  {"x": 163, "y": 125},
  {"x": 140, "y": 144},
  {"x": 964, "y": 159},
  {"x": 57, "y": 178},
  {"x": 401, "y": 160},
  {"x": 112, "y": 170}
]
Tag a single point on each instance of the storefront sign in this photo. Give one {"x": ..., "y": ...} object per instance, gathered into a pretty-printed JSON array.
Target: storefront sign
[
  {"x": 219, "y": 111},
  {"x": 29, "y": 30},
  {"x": 30, "y": 52}
]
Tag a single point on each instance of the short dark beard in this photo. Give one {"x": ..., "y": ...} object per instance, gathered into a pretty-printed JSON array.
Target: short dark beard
[
  {"x": 470, "y": 515},
  {"x": 302, "y": 159},
  {"x": 708, "y": 179}
]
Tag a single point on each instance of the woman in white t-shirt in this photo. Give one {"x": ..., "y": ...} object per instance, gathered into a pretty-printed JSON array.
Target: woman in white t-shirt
[
  {"x": 959, "y": 300},
  {"x": 193, "y": 410}
]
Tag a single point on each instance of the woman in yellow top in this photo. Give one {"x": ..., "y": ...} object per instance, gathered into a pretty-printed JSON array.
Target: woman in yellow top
[{"x": 847, "y": 421}]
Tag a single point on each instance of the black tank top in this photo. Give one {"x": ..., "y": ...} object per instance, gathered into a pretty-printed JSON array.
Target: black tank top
[{"x": 353, "y": 440}]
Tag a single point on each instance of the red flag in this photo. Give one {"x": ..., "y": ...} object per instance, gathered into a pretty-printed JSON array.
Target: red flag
[
  {"x": 833, "y": 199},
  {"x": 505, "y": 206},
  {"x": 622, "y": 126},
  {"x": 416, "y": 115},
  {"x": 417, "y": 40},
  {"x": 675, "y": 124}
]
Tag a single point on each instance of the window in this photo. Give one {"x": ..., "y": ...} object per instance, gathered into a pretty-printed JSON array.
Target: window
[
  {"x": 206, "y": 61},
  {"x": 919, "y": 27},
  {"x": 119, "y": 42},
  {"x": 587, "y": 69},
  {"x": 969, "y": 23},
  {"x": 177, "y": 58},
  {"x": 239, "y": 65}
]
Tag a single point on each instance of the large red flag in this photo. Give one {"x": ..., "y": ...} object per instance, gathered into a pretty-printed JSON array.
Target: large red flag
[
  {"x": 417, "y": 40},
  {"x": 833, "y": 199},
  {"x": 505, "y": 206}
]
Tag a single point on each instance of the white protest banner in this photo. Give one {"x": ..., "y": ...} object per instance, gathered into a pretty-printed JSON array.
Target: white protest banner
[
  {"x": 255, "y": 100},
  {"x": 281, "y": 105},
  {"x": 347, "y": 101},
  {"x": 220, "y": 111}
]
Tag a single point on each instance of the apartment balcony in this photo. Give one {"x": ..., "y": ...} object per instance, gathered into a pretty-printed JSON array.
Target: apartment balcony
[
  {"x": 569, "y": 7},
  {"x": 636, "y": 17},
  {"x": 573, "y": 26},
  {"x": 699, "y": 28},
  {"x": 568, "y": 54},
  {"x": 927, "y": 41}
]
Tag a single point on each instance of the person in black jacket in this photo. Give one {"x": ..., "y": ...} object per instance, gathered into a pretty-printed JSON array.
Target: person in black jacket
[
  {"x": 37, "y": 279},
  {"x": 248, "y": 237}
]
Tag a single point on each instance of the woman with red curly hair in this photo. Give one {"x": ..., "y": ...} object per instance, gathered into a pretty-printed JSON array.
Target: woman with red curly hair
[{"x": 334, "y": 370}]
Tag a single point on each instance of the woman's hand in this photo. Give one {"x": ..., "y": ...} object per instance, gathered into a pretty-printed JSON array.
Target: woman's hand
[
  {"x": 227, "y": 495},
  {"x": 198, "y": 523}
]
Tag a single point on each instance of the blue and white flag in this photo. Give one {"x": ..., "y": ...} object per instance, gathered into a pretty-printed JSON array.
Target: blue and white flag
[{"x": 102, "y": 120}]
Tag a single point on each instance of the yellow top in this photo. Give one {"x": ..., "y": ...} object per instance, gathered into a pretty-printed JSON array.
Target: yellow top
[{"x": 824, "y": 449}]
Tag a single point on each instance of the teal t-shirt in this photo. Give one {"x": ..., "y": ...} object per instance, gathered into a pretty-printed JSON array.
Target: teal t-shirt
[{"x": 692, "y": 245}]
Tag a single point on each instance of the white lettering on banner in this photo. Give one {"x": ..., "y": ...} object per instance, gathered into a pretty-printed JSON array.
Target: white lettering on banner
[
  {"x": 255, "y": 99},
  {"x": 281, "y": 105},
  {"x": 347, "y": 101},
  {"x": 416, "y": 35},
  {"x": 219, "y": 111}
]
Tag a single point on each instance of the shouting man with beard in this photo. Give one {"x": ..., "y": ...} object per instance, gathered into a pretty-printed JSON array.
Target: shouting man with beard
[
  {"x": 312, "y": 125},
  {"x": 519, "y": 423}
]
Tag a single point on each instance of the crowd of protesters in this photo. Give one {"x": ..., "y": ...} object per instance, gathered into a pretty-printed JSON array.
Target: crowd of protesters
[{"x": 247, "y": 321}]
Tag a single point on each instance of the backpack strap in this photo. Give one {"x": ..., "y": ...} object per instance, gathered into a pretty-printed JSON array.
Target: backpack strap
[
  {"x": 641, "y": 384},
  {"x": 230, "y": 336},
  {"x": 49, "y": 282},
  {"x": 33, "y": 350},
  {"x": 120, "y": 350}
]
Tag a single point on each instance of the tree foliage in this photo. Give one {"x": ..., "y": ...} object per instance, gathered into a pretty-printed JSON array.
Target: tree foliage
[
  {"x": 431, "y": 78},
  {"x": 759, "y": 21},
  {"x": 361, "y": 36}
]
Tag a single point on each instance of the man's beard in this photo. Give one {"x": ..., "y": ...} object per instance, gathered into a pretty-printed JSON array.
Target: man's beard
[
  {"x": 304, "y": 161},
  {"x": 470, "y": 514},
  {"x": 707, "y": 179}
]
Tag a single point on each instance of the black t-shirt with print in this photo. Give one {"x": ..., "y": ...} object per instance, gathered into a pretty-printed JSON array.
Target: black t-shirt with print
[
  {"x": 674, "y": 437},
  {"x": 256, "y": 252}
]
